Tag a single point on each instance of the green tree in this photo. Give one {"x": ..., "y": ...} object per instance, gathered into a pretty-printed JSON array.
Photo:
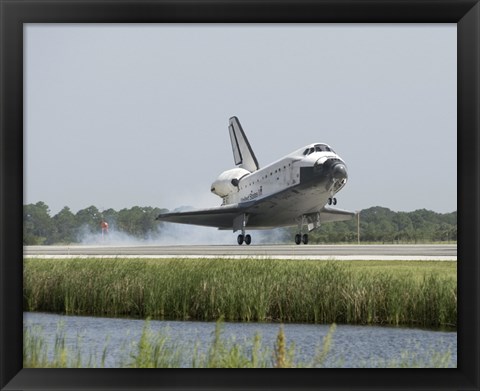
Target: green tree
[
  {"x": 403, "y": 227},
  {"x": 138, "y": 221},
  {"x": 65, "y": 226},
  {"x": 110, "y": 216},
  {"x": 37, "y": 224},
  {"x": 89, "y": 218}
]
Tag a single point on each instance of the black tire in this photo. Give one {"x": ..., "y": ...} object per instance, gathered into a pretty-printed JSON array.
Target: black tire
[
  {"x": 329, "y": 201},
  {"x": 240, "y": 239},
  {"x": 248, "y": 239},
  {"x": 334, "y": 201},
  {"x": 298, "y": 239},
  {"x": 305, "y": 239}
]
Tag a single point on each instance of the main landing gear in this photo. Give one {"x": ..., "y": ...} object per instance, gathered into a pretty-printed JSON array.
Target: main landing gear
[
  {"x": 299, "y": 238},
  {"x": 244, "y": 238},
  {"x": 239, "y": 224}
]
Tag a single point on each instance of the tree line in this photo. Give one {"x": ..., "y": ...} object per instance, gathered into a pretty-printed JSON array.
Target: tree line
[
  {"x": 382, "y": 225},
  {"x": 376, "y": 224},
  {"x": 39, "y": 227}
]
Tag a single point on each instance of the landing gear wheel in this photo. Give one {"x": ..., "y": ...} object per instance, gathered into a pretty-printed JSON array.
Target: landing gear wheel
[
  {"x": 305, "y": 239},
  {"x": 298, "y": 238},
  {"x": 248, "y": 239},
  {"x": 240, "y": 239},
  {"x": 334, "y": 201},
  {"x": 329, "y": 201}
]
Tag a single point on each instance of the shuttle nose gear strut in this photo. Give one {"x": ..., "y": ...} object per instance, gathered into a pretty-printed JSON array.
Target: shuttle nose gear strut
[
  {"x": 299, "y": 238},
  {"x": 239, "y": 223},
  {"x": 332, "y": 199}
]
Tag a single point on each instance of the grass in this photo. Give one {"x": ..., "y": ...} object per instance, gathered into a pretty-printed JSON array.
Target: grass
[
  {"x": 358, "y": 292},
  {"x": 155, "y": 350}
]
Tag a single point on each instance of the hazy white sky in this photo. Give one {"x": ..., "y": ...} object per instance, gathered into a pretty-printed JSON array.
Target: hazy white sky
[{"x": 124, "y": 115}]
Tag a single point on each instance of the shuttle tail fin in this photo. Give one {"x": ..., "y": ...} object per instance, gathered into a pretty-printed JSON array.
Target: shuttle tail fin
[{"x": 242, "y": 151}]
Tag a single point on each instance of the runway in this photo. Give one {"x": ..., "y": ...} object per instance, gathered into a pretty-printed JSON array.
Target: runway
[{"x": 320, "y": 252}]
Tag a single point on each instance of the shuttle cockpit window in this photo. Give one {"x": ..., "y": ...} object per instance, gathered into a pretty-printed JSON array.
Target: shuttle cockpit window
[
  {"x": 323, "y": 148},
  {"x": 318, "y": 148}
]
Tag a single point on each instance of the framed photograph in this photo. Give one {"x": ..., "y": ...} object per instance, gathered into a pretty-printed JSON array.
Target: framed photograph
[{"x": 223, "y": 54}]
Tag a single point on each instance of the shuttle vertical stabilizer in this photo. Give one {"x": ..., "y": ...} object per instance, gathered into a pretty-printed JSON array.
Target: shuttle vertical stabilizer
[{"x": 242, "y": 151}]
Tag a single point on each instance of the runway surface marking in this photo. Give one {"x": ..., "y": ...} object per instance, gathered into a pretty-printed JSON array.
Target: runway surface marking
[{"x": 320, "y": 252}]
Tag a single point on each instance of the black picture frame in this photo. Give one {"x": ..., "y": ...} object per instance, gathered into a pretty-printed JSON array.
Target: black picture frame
[{"x": 14, "y": 13}]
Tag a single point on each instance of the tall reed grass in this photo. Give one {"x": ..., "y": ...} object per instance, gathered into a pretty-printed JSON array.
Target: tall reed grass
[
  {"x": 243, "y": 290},
  {"x": 156, "y": 350}
]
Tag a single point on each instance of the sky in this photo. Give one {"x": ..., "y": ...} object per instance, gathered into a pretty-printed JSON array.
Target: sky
[{"x": 123, "y": 115}]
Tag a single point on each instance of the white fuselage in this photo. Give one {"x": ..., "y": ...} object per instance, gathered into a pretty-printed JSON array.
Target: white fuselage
[{"x": 300, "y": 189}]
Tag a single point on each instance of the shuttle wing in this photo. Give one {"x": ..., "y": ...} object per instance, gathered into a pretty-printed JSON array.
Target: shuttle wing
[
  {"x": 220, "y": 217},
  {"x": 223, "y": 217},
  {"x": 328, "y": 214},
  {"x": 242, "y": 151}
]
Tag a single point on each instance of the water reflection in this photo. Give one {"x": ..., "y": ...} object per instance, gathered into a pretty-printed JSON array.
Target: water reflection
[{"x": 352, "y": 346}]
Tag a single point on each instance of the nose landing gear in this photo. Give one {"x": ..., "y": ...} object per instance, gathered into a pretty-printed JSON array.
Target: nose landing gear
[{"x": 332, "y": 201}]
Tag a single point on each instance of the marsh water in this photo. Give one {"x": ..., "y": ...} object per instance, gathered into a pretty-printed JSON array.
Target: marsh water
[{"x": 352, "y": 346}]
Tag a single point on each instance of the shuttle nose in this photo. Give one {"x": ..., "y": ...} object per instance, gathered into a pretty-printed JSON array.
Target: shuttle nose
[{"x": 339, "y": 171}]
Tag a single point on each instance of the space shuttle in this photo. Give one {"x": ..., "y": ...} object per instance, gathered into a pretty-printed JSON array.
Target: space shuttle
[{"x": 297, "y": 190}]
